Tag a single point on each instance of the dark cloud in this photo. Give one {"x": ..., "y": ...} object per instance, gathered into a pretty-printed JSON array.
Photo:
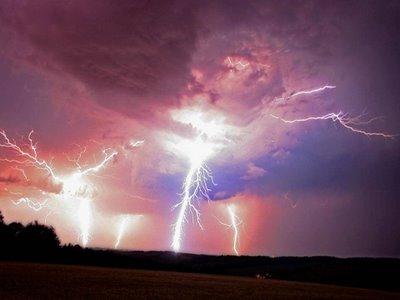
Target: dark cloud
[
  {"x": 128, "y": 53},
  {"x": 137, "y": 55}
]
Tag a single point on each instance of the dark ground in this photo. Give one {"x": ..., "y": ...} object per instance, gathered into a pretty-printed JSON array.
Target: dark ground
[
  {"x": 370, "y": 273},
  {"x": 43, "y": 281}
]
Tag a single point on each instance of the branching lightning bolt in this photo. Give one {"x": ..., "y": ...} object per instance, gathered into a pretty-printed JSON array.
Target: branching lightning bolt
[
  {"x": 211, "y": 137},
  {"x": 73, "y": 185},
  {"x": 343, "y": 119},
  {"x": 234, "y": 223},
  {"x": 194, "y": 186},
  {"x": 28, "y": 158}
]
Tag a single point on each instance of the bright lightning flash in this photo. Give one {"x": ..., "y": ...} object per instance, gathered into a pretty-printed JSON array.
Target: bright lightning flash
[
  {"x": 74, "y": 186},
  {"x": 85, "y": 220},
  {"x": 195, "y": 185}
]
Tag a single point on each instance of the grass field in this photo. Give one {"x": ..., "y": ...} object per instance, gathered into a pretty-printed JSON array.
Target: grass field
[{"x": 28, "y": 280}]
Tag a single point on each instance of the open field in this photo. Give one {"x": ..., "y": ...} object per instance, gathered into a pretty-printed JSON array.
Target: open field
[{"x": 22, "y": 280}]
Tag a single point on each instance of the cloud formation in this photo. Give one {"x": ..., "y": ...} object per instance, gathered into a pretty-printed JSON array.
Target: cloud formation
[{"x": 253, "y": 172}]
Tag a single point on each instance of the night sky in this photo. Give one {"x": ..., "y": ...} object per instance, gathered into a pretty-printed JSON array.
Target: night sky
[{"x": 104, "y": 75}]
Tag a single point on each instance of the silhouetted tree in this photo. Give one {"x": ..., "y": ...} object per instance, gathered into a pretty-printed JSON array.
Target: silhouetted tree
[
  {"x": 32, "y": 240},
  {"x": 16, "y": 228},
  {"x": 39, "y": 237},
  {"x": 5, "y": 233}
]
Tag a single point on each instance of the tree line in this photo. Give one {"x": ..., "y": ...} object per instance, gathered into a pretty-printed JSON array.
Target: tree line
[{"x": 40, "y": 243}]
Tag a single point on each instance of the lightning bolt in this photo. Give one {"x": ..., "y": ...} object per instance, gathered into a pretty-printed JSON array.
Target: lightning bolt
[
  {"x": 235, "y": 64},
  {"x": 234, "y": 224},
  {"x": 121, "y": 230},
  {"x": 124, "y": 221},
  {"x": 136, "y": 143},
  {"x": 211, "y": 137},
  {"x": 36, "y": 206},
  {"x": 307, "y": 92},
  {"x": 194, "y": 186},
  {"x": 343, "y": 119}
]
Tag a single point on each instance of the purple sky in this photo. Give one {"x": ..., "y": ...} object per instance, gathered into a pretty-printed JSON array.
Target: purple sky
[{"x": 102, "y": 74}]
